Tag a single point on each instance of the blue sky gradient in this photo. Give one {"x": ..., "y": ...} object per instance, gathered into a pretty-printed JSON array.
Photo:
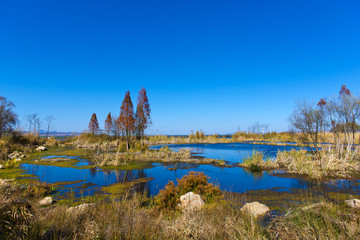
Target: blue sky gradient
[{"x": 211, "y": 65}]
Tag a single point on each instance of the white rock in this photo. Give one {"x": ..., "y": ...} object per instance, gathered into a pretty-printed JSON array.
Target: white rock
[
  {"x": 191, "y": 201},
  {"x": 45, "y": 201},
  {"x": 80, "y": 208},
  {"x": 2, "y": 166},
  {"x": 255, "y": 209},
  {"x": 15, "y": 154},
  {"x": 315, "y": 205},
  {"x": 354, "y": 203},
  {"x": 18, "y": 160},
  {"x": 40, "y": 149},
  {"x": 5, "y": 181}
]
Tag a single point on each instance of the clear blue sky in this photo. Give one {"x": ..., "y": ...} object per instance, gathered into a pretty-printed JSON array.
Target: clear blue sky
[{"x": 211, "y": 65}]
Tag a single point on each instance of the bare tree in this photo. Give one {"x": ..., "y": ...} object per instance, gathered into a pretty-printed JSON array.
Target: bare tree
[
  {"x": 34, "y": 122},
  {"x": 308, "y": 119},
  {"x": 49, "y": 119},
  {"x": 30, "y": 119},
  {"x": 344, "y": 112},
  {"x": 37, "y": 123},
  {"x": 7, "y": 116}
]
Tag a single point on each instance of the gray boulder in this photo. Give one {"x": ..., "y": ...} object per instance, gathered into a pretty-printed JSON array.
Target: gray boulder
[
  {"x": 191, "y": 201},
  {"x": 255, "y": 209},
  {"x": 80, "y": 208},
  {"x": 354, "y": 203},
  {"x": 46, "y": 201}
]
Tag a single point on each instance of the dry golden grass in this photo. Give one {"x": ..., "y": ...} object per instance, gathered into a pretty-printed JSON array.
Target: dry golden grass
[{"x": 135, "y": 217}]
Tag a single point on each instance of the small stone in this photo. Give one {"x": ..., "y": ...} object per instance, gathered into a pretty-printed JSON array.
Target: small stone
[
  {"x": 18, "y": 160},
  {"x": 255, "y": 209},
  {"x": 191, "y": 201},
  {"x": 45, "y": 201},
  {"x": 354, "y": 203},
  {"x": 80, "y": 208},
  {"x": 15, "y": 154},
  {"x": 315, "y": 205},
  {"x": 5, "y": 181},
  {"x": 2, "y": 166},
  {"x": 40, "y": 149}
]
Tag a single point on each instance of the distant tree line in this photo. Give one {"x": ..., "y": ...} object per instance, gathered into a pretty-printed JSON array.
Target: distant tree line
[
  {"x": 129, "y": 124},
  {"x": 339, "y": 116}
]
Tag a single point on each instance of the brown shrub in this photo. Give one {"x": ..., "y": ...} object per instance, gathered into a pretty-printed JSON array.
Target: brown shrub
[
  {"x": 196, "y": 182},
  {"x": 168, "y": 197}
]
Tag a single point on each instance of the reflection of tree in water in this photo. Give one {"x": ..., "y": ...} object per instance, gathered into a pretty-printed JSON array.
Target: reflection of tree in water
[
  {"x": 142, "y": 187},
  {"x": 180, "y": 165},
  {"x": 256, "y": 175},
  {"x": 198, "y": 150},
  {"x": 92, "y": 172},
  {"x": 123, "y": 176}
]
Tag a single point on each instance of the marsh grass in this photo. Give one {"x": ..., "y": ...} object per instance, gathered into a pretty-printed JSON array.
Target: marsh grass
[
  {"x": 134, "y": 216},
  {"x": 326, "y": 163},
  {"x": 258, "y": 162},
  {"x": 107, "y": 157}
]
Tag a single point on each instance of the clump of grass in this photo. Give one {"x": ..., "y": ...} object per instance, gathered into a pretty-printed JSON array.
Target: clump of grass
[
  {"x": 257, "y": 162},
  {"x": 10, "y": 163},
  {"x": 105, "y": 157}
]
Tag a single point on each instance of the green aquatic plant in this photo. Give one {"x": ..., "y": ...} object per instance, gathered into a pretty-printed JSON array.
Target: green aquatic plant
[{"x": 258, "y": 162}]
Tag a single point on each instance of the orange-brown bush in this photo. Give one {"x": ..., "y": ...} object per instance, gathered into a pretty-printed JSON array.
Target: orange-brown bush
[
  {"x": 196, "y": 182},
  {"x": 168, "y": 197}
]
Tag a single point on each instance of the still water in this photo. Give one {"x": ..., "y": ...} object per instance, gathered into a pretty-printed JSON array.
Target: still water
[{"x": 85, "y": 182}]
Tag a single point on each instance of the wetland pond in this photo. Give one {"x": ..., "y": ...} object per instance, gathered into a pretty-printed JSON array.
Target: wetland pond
[{"x": 81, "y": 180}]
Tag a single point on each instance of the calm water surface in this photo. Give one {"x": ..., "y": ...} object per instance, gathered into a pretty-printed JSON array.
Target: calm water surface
[{"x": 84, "y": 182}]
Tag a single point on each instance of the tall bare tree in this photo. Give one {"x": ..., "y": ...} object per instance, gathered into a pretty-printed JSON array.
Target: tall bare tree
[
  {"x": 344, "y": 113},
  {"x": 8, "y": 118},
  {"x": 34, "y": 122},
  {"x": 49, "y": 119},
  {"x": 308, "y": 119}
]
